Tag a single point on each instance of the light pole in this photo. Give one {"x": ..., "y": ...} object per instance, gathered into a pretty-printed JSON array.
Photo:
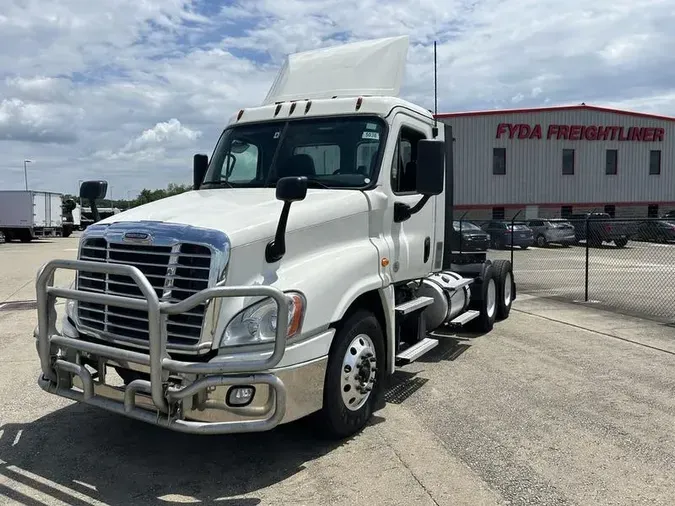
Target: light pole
[{"x": 25, "y": 171}]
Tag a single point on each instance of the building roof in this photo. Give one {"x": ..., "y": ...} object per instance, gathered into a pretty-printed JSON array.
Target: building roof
[{"x": 595, "y": 108}]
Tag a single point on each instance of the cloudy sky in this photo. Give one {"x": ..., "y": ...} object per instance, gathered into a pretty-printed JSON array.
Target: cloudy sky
[{"x": 128, "y": 90}]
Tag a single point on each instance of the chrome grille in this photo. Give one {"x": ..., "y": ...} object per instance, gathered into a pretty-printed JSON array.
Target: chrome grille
[{"x": 176, "y": 272}]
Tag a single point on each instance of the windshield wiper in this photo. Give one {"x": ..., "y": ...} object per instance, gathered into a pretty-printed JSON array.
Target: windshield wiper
[
  {"x": 219, "y": 184},
  {"x": 317, "y": 183}
]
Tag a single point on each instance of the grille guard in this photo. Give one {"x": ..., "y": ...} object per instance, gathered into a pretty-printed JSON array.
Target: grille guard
[{"x": 226, "y": 372}]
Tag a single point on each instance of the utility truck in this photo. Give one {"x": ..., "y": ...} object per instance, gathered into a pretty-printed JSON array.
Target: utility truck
[{"x": 312, "y": 259}]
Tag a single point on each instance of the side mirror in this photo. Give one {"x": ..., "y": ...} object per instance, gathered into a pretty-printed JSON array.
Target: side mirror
[
  {"x": 430, "y": 167},
  {"x": 289, "y": 190},
  {"x": 93, "y": 190},
  {"x": 200, "y": 164}
]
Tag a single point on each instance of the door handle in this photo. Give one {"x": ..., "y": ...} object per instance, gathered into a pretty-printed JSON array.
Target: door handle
[{"x": 427, "y": 249}]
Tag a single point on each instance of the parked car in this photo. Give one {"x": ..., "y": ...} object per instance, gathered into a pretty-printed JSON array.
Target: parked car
[
  {"x": 553, "y": 231},
  {"x": 669, "y": 215},
  {"x": 656, "y": 231},
  {"x": 2, "y": 238},
  {"x": 503, "y": 234},
  {"x": 602, "y": 228},
  {"x": 469, "y": 237}
]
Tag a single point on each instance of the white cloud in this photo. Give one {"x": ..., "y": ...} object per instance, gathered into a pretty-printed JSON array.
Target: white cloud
[
  {"x": 154, "y": 142},
  {"x": 129, "y": 90}
]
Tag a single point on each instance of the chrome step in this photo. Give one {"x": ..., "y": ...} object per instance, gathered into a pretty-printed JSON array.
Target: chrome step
[
  {"x": 416, "y": 351},
  {"x": 413, "y": 305},
  {"x": 465, "y": 318}
]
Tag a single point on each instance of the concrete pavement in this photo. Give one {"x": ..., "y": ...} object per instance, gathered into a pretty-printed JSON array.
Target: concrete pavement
[{"x": 560, "y": 404}]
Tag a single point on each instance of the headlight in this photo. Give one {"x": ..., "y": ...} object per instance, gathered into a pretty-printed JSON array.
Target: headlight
[{"x": 257, "y": 324}]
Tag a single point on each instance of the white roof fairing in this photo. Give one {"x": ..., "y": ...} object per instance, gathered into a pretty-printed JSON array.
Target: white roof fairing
[{"x": 372, "y": 67}]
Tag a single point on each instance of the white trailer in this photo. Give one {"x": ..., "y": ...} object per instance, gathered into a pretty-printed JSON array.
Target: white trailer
[
  {"x": 313, "y": 258},
  {"x": 28, "y": 214}
]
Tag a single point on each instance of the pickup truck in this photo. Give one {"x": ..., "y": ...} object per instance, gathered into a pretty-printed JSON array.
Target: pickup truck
[{"x": 601, "y": 228}]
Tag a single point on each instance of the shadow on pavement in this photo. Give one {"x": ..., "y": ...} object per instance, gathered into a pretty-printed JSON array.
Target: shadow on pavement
[{"x": 80, "y": 455}]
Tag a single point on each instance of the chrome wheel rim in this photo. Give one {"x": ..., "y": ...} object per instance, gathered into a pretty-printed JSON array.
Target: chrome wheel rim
[
  {"x": 491, "y": 297},
  {"x": 507, "y": 288},
  {"x": 358, "y": 372}
]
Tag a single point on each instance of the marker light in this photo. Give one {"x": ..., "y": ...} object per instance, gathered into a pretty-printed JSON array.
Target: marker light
[
  {"x": 359, "y": 101},
  {"x": 241, "y": 113},
  {"x": 293, "y": 104}
]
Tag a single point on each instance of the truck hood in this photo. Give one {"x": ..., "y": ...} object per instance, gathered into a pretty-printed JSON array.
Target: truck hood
[{"x": 246, "y": 215}]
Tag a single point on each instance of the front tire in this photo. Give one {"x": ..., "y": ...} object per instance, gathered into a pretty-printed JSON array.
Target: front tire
[
  {"x": 353, "y": 384},
  {"x": 620, "y": 243}
]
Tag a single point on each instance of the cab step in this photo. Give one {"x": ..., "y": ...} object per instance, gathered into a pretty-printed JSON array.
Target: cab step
[
  {"x": 413, "y": 305},
  {"x": 465, "y": 318},
  {"x": 416, "y": 351}
]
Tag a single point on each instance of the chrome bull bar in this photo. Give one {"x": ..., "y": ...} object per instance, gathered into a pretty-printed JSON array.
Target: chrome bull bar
[{"x": 222, "y": 373}]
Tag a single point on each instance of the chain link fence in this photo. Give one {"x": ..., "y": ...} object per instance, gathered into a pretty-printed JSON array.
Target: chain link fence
[{"x": 627, "y": 265}]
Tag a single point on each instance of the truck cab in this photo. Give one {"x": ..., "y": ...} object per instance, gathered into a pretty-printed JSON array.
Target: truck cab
[{"x": 313, "y": 257}]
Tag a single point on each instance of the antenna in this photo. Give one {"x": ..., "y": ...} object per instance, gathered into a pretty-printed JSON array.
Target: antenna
[{"x": 434, "y": 130}]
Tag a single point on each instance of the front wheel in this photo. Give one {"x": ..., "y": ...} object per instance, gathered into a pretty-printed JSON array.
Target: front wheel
[
  {"x": 620, "y": 243},
  {"x": 353, "y": 384}
]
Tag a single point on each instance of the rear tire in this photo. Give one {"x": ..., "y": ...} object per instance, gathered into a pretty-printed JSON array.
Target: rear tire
[
  {"x": 356, "y": 363},
  {"x": 620, "y": 243},
  {"x": 485, "y": 303},
  {"x": 504, "y": 279},
  {"x": 541, "y": 241}
]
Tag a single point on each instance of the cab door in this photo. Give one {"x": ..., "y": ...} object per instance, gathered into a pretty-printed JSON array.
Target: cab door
[{"x": 412, "y": 240}]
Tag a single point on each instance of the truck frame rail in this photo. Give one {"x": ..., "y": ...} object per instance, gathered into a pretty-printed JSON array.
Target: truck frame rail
[{"x": 165, "y": 399}]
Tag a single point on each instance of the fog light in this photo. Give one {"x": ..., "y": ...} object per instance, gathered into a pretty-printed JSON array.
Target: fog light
[{"x": 238, "y": 396}]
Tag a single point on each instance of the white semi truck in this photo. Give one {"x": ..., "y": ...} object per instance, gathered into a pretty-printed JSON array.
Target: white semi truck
[{"x": 312, "y": 259}]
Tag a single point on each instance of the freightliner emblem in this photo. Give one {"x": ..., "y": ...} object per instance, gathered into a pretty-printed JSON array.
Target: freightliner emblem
[{"x": 137, "y": 237}]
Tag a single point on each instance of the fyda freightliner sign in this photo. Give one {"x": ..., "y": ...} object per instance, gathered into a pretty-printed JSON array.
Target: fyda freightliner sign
[{"x": 580, "y": 132}]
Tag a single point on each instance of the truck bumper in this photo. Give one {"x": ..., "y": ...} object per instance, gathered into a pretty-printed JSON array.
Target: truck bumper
[{"x": 192, "y": 397}]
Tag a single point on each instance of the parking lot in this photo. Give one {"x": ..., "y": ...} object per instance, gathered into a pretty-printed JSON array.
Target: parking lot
[
  {"x": 638, "y": 279},
  {"x": 560, "y": 404}
]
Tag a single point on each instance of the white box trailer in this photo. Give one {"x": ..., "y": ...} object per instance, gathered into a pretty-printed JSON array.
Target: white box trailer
[{"x": 29, "y": 214}]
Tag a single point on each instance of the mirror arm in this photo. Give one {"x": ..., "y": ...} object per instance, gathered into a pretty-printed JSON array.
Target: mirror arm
[
  {"x": 94, "y": 210},
  {"x": 403, "y": 212},
  {"x": 276, "y": 248}
]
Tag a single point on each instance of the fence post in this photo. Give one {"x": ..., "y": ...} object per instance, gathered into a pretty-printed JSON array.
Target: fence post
[
  {"x": 512, "y": 222},
  {"x": 588, "y": 240}
]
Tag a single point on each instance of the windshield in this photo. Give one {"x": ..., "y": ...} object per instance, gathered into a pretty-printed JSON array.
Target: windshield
[
  {"x": 331, "y": 152},
  {"x": 465, "y": 225}
]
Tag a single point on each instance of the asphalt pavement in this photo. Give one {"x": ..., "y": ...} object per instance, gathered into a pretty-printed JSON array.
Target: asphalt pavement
[{"x": 560, "y": 404}]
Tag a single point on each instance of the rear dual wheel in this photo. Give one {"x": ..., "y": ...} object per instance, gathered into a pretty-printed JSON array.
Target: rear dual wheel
[{"x": 492, "y": 295}]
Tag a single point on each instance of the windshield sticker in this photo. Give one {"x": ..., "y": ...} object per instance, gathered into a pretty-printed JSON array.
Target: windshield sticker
[
  {"x": 277, "y": 134},
  {"x": 366, "y": 180},
  {"x": 371, "y": 126},
  {"x": 371, "y": 135}
]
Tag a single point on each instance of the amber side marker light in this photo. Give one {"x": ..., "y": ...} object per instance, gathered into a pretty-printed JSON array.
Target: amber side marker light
[{"x": 384, "y": 262}]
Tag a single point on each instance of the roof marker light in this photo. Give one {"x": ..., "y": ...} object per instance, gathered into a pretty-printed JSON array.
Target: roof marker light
[
  {"x": 241, "y": 113},
  {"x": 293, "y": 104},
  {"x": 359, "y": 101},
  {"x": 309, "y": 104},
  {"x": 276, "y": 111}
]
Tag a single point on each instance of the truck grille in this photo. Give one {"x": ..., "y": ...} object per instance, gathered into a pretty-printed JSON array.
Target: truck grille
[{"x": 176, "y": 272}]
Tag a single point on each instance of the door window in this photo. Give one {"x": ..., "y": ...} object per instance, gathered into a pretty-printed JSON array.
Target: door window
[{"x": 404, "y": 165}]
